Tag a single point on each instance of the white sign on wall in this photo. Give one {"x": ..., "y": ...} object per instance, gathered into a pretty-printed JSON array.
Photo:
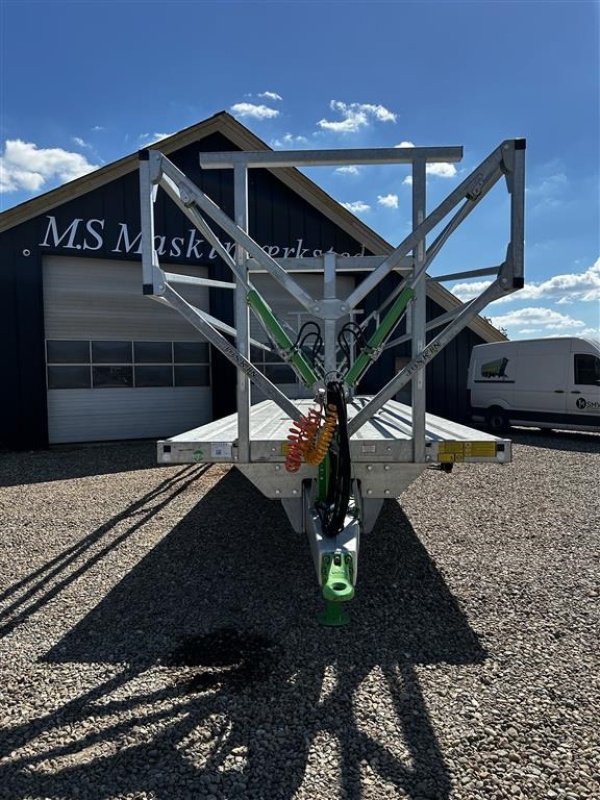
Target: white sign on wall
[{"x": 90, "y": 235}]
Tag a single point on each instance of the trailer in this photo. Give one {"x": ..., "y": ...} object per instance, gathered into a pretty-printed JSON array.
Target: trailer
[{"x": 332, "y": 459}]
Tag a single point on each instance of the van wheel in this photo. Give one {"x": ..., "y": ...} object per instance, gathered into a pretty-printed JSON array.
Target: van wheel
[{"x": 497, "y": 420}]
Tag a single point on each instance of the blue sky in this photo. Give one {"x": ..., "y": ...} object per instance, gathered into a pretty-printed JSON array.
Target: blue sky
[{"x": 84, "y": 83}]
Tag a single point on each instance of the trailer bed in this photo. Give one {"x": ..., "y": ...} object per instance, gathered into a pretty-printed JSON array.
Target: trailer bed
[{"x": 386, "y": 437}]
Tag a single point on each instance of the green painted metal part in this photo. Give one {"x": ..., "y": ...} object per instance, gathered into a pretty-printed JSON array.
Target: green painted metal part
[
  {"x": 283, "y": 341},
  {"x": 334, "y": 616},
  {"x": 386, "y": 326},
  {"x": 337, "y": 572},
  {"x": 323, "y": 479}
]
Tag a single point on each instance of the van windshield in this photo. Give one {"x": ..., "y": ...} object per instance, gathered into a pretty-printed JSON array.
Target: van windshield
[{"x": 587, "y": 369}]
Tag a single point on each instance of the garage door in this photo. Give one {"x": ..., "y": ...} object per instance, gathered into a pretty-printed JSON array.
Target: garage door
[{"x": 119, "y": 365}]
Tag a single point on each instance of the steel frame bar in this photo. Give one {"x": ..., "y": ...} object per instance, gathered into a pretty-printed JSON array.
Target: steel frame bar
[
  {"x": 149, "y": 257},
  {"x": 220, "y": 326},
  {"x": 323, "y": 158},
  {"x": 329, "y": 293},
  {"x": 192, "y": 280},
  {"x": 242, "y": 314},
  {"x": 344, "y": 264},
  {"x": 471, "y": 273},
  {"x": 434, "y": 323},
  {"x": 419, "y": 310}
]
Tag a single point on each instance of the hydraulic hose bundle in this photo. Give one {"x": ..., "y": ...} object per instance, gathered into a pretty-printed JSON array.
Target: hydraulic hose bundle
[
  {"x": 312, "y": 439},
  {"x": 333, "y": 511}
]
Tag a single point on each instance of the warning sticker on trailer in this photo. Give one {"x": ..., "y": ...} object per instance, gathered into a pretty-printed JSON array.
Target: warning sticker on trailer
[{"x": 220, "y": 449}]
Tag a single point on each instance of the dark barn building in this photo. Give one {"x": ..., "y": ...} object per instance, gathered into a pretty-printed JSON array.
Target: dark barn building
[{"x": 87, "y": 357}]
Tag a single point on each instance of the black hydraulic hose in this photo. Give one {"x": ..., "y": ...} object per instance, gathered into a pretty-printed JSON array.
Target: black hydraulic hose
[{"x": 338, "y": 498}]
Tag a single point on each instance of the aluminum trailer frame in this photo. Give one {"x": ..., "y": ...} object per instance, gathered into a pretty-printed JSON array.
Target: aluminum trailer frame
[{"x": 387, "y": 444}]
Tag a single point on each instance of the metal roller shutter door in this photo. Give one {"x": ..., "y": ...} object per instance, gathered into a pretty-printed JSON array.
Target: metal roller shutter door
[{"x": 100, "y": 302}]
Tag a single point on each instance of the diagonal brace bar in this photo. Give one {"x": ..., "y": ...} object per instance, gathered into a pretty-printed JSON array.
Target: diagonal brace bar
[
  {"x": 189, "y": 193},
  {"x": 481, "y": 180},
  {"x": 199, "y": 320},
  {"x": 421, "y": 360}
]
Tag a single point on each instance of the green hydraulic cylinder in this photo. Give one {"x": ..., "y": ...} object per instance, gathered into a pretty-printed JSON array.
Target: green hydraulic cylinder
[
  {"x": 323, "y": 479},
  {"x": 386, "y": 326},
  {"x": 282, "y": 340}
]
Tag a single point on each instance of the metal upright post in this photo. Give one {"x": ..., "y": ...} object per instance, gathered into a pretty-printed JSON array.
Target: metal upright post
[
  {"x": 329, "y": 266},
  {"x": 419, "y": 309},
  {"x": 149, "y": 261},
  {"x": 242, "y": 316},
  {"x": 517, "y": 212}
]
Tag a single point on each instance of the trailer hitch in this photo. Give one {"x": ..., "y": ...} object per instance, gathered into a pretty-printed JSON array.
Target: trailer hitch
[{"x": 337, "y": 572}]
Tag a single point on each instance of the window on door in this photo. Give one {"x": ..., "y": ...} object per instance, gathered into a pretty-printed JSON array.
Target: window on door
[
  {"x": 587, "y": 369},
  {"x": 107, "y": 364}
]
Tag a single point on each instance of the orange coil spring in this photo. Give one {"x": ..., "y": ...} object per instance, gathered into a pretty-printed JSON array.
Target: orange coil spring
[
  {"x": 296, "y": 439},
  {"x": 316, "y": 451},
  {"x": 313, "y": 423},
  {"x": 307, "y": 440}
]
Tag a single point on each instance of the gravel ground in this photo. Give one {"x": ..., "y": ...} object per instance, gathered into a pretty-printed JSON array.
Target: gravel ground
[{"x": 158, "y": 635}]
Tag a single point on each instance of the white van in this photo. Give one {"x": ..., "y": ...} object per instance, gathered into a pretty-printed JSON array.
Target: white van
[{"x": 543, "y": 383}]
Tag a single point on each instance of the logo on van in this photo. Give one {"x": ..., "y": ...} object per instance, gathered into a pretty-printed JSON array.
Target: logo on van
[
  {"x": 495, "y": 369},
  {"x": 583, "y": 403}
]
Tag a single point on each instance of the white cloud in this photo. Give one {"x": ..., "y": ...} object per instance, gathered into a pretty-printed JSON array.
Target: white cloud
[
  {"x": 470, "y": 289},
  {"x": 388, "y": 200},
  {"x": 442, "y": 170},
  {"x": 355, "y": 116},
  {"x": 550, "y": 193},
  {"x": 273, "y": 96},
  {"x": 80, "y": 142},
  {"x": 357, "y": 207},
  {"x": 536, "y": 318},
  {"x": 404, "y": 144},
  {"x": 564, "y": 288},
  {"x": 289, "y": 139},
  {"x": 548, "y": 186},
  {"x": 254, "y": 111},
  {"x": 25, "y": 166},
  {"x": 150, "y": 138},
  {"x": 98, "y": 128},
  {"x": 348, "y": 170}
]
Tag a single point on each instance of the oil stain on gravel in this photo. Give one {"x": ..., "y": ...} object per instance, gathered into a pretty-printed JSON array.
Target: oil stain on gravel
[{"x": 227, "y": 657}]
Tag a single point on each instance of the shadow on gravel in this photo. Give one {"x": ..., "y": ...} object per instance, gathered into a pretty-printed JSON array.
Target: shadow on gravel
[
  {"x": 228, "y": 683},
  {"x": 557, "y": 440},
  {"x": 65, "y": 462},
  {"x": 28, "y": 595}
]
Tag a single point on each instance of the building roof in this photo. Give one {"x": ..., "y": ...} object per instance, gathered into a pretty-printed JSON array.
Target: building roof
[{"x": 243, "y": 138}]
